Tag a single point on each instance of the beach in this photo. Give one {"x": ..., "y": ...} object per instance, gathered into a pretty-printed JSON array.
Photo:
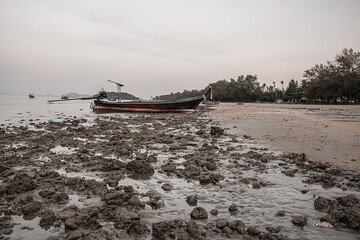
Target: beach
[
  {"x": 326, "y": 133},
  {"x": 69, "y": 173}
]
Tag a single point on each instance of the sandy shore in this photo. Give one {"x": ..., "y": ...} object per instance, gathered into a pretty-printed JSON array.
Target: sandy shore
[{"x": 325, "y": 133}]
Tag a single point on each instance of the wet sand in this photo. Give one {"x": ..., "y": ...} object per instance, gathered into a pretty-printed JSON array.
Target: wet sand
[{"x": 325, "y": 133}]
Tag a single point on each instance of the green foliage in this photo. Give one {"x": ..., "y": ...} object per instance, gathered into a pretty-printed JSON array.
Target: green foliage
[
  {"x": 124, "y": 96},
  {"x": 334, "y": 82},
  {"x": 244, "y": 89}
]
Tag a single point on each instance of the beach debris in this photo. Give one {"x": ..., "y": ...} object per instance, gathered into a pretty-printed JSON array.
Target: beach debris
[{"x": 322, "y": 224}]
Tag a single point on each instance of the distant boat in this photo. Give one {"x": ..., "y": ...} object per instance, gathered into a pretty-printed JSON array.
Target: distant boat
[
  {"x": 64, "y": 97},
  {"x": 31, "y": 95}
]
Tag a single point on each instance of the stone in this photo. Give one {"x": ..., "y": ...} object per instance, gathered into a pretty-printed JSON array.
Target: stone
[
  {"x": 199, "y": 213},
  {"x": 221, "y": 224},
  {"x": 214, "y": 212},
  {"x": 299, "y": 221},
  {"x": 301, "y": 159},
  {"x": 192, "y": 200},
  {"x": 233, "y": 208},
  {"x": 167, "y": 187}
]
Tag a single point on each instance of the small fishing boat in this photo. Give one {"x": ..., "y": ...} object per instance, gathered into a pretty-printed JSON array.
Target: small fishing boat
[
  {"x": 31, "y": 95},
  {"x": 183, "y": 105}
]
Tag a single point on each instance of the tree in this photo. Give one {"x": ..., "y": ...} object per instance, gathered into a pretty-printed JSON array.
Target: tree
[
  {"x": 336, "y": 81},
  {"x": 292, "y": 92}
]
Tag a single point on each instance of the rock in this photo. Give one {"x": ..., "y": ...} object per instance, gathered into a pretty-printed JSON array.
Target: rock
[
  {"x": 138, "y": 166},
  {"x": 214, "y": 212},
  {"x": 301, "y": 159},
  {"x": 211, "y": 165},
  {"x": 192, "y": 200},
  {"x": 66, "y": 214},
  {"x": 74, "y": 235},
  {"x": 222, "y": 223},
  {"x": 321, "y": 204},
  {"x": 194, "y": 230},
  {"x": 256, "y": 185},
  {"x": 273, "y": 229},
  {"x": 204, "y": 179},
  {"x": 233, "y": 208},
  {"x": 280, "y": 213},
  {"x": 216, "y": 131},
  {"x": 137, "y": 227},
  {"x": 141, "y": 156},
  {"x": 167, "y": 187},
  {"x": 155, "y": 202},
  {"x": 290, "y": 172},
  {"x": 252, "y": 231},
  {"x": 31, "y": 208},
  {"x": 160, "y": 229},
  {"x": 169, "y": 167},
  {"x": 71, "y": 224},
  {"x": 47, "y": 219},
  {"x": 199, "y": 213},
  {"x": 299, "y": 221},
  {"x": 227, "y": 230},
  {"x": 191, "y": 171},
  {"x": 46, "y": 193},
  {"x": 21, "y": 183},
  {"x": 344, "y": 187}
]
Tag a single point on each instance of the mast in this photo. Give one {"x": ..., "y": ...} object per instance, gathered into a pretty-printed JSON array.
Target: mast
[{"x": 118, "y": 85}]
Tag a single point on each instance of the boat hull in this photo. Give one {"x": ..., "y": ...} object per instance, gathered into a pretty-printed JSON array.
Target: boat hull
[{"x": 183, "y": 106}]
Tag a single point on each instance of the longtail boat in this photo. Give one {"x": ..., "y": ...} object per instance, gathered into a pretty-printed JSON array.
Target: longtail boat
[
  {"x": 183, "y": 105},
  {"x": 99, "y": 105}
]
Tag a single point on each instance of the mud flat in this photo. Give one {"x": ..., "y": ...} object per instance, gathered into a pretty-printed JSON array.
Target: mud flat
[
  {"x": 164, "y": 176},
  {"x": 328, "y": 133}
]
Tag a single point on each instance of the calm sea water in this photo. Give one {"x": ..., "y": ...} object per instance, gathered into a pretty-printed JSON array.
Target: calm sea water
[{"x": 21, "y": 109}]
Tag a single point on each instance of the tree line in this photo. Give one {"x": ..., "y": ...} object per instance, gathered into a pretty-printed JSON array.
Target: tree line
[{"x": 337, "y": 81}]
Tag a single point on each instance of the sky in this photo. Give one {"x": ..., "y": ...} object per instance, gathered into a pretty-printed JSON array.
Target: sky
[{"x": 155, "y": 47}]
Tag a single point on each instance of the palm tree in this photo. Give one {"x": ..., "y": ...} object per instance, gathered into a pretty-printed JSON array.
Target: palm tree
[
  {"x": 275, "y": 91},
  {"x": 263, "y": 87}
]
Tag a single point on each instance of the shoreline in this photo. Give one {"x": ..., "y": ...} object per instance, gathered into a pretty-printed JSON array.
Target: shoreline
[{"x": 325, "y": 133}]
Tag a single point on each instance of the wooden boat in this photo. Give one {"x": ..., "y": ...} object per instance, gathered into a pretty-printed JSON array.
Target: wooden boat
[
  {"x": 187, "y": 105},
  {"x": 183, "y": 105},
  {"x": 31, "y": 95},
  {"x": 101, "y": 106}
]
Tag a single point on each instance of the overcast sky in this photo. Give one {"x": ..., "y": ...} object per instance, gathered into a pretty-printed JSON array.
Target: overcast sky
[{"x": 155, "y": 47}]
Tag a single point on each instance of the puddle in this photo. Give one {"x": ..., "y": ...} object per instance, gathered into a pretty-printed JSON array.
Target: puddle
[
  {"x": 29, "y": 229},
  {"x": 83, "y": 175},
  {"x": 63, "y": 150}
]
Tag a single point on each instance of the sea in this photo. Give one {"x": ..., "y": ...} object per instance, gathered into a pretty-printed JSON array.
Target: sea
[{"x": 20, "y": 110}]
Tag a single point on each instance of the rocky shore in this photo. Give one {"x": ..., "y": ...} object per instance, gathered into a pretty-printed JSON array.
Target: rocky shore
[{"x": 166, "y": 176}]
